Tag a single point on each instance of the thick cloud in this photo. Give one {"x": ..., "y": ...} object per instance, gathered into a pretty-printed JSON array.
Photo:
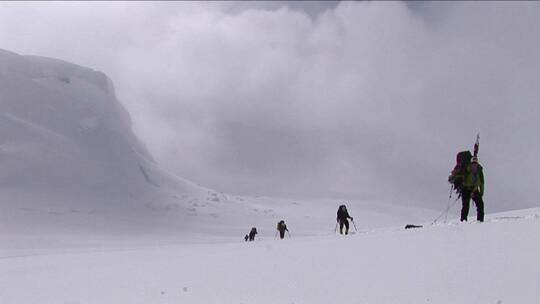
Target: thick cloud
[{"x": 356, "y": 99}]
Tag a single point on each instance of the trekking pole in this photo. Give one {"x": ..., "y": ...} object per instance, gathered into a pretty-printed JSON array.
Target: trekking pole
[
  {"x": 335, "y": 229},
  {"x": 446, "y": 210},
  {"x": 275, "y": 236},
  {"x": 288, "y": 233},
  {"x": 356, "y": 230},
  {"x": 448, "y": 204}
]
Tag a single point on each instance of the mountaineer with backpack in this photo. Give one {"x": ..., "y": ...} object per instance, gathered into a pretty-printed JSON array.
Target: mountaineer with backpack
[
  {"x": 252, "y": 234},
  {"x": 342, "y": 219},
  {"x": 282, "y": 227},
  {"x": 467, "y": 178}
]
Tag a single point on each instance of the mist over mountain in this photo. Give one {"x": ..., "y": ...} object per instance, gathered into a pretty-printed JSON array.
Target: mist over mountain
[
  {"x": 70, "y": 161},
  {"x": 66, "y": 145}
]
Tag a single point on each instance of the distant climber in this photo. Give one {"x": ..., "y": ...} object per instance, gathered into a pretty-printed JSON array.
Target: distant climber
[
  {"x": 343, "y": 219},
  {"x": 246, "y": 238},
  {"x": 252, "y": 234},
  {"x": 282, "y": 227},
  {"x": 467, "y": 179}
]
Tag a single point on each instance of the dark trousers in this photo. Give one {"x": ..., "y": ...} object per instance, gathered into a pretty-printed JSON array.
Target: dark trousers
[
  {"x": 466, "y": 201},
  {"x": 344, "y": 222},
  {"x": 282, "y": 234}
]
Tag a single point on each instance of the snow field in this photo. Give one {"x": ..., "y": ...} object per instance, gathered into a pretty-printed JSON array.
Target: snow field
[{"x": 491, "y": 262}]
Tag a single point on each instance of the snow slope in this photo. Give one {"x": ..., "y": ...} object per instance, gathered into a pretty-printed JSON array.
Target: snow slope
[
  {"x": 493, "y": 262},
  {"x": 69, "y": 158}
]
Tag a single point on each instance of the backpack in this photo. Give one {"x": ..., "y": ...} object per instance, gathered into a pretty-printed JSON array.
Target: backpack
[
  {"x": 342, "y": 213},
  {"x": 463, "y": 159}
]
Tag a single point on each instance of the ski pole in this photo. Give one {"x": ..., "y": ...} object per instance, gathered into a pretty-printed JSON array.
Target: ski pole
[
  {"x": 447, "y": 209},
  {"x": 448, "y": 204},
  {"x": 354, "y": 225},
  {"x": 288, "y": 233}
]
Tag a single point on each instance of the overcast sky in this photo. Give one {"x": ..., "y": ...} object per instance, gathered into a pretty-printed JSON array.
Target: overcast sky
[{"x": 352, "y": 100}]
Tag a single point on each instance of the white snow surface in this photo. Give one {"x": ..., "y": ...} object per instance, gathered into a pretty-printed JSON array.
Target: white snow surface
[
  {"x": 87, "y": 216},
  {"x": 492, "y": 262}
]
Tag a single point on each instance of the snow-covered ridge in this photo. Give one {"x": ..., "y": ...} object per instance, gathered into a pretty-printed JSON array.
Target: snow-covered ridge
[
  {"x": 67, "y": 146},
  {"x": 36, "y": 67}
]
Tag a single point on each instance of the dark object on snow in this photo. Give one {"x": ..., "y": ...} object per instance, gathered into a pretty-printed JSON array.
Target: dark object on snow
[
  {"x": 252, "y": 234},
  {"x": 246, "y": 238},
  {"x": 282, "y": 227},
  {"x": 342, "y": 219},
  {"x": 413, "y": 226}
]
